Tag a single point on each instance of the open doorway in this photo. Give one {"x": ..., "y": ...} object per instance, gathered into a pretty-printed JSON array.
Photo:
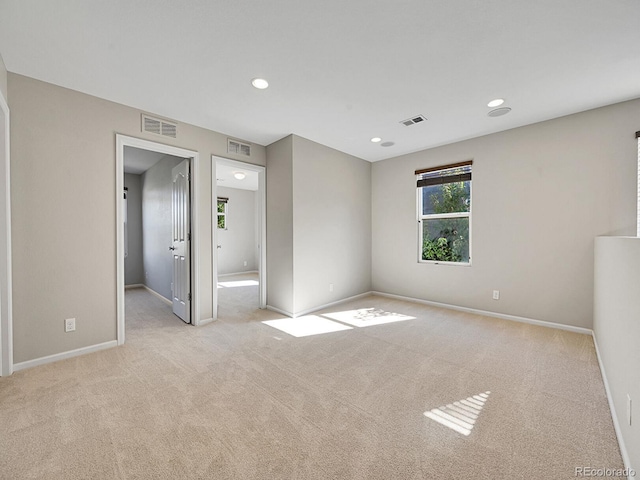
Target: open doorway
[
  {"x": 239, "y": 235},
  {"x": 155, "y": 206},
  {"x": 156, "y": 226}
]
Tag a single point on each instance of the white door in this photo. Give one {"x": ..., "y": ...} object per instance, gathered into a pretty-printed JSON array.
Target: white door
[{"x": 181, "y": 241}]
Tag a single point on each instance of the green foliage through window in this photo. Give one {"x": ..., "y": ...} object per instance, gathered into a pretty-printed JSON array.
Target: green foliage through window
[
  {"x": 222, "y": 214},
  {"x": 445, "y": 215}
]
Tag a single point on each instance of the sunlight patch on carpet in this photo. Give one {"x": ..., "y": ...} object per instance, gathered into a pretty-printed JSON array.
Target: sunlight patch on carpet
[
  {"x": 306, "y": 326},
  {"x": 365, "y": 317},
  {"x": 460, "y": 416}
]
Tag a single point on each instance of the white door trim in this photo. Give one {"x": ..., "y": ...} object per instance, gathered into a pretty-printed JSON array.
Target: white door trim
[
  {"x": 262, "y": 210},
  {"x": 126, "y": 141},
  {"x": 6, "y": 309}
]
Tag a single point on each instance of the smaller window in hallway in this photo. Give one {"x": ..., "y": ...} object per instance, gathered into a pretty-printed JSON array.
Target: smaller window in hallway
[
  {"x": 444, "y": 214},
  {"x": 222, "y": 212}
]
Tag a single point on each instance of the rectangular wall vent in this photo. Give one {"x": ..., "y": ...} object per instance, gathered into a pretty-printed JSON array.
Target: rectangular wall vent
[
  {"x": 413, "y": 120},
  {"x": 238, "y": 148},
  {"x": 159, "y": 127}
]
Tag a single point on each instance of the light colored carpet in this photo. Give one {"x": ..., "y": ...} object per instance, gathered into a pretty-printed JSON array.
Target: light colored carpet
[{"x": 445, "y": 395}]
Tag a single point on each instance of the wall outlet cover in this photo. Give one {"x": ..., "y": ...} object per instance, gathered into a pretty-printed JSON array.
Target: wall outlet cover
[{"x": 70, "y": 325}]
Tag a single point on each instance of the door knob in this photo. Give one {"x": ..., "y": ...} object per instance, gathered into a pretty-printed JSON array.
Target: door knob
[
  {"x": 172, "y": 248},
  {"x": 218, "y": 246}
]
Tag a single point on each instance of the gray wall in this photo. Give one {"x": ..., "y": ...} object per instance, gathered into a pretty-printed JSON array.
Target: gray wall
[
  {"x": 156, "y": 226},
  {"x": 280, "y": 224},
  {"x": 616, "y": 328},
  {"x": 133, "y": 265},
  {"x": 238, "y": 240},
  {"x": 541, "y": 194},
  {"x": 331, "y": 224},
  {"x": 3, "y": 78},
  {"x": 319, "y": 225},
  {"x": 63, "y": 155}
]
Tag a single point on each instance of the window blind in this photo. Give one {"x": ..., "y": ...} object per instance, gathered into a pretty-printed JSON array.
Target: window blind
[
  {"x": 456, "y": 172},
  {"x": 223, "y": 199}
]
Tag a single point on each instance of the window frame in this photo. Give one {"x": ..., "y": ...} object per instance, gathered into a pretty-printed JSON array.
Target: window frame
[{"x": 420, "y": 217}]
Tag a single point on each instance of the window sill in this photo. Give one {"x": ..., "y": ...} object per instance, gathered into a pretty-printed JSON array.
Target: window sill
[{"x": 435, "y": 262}]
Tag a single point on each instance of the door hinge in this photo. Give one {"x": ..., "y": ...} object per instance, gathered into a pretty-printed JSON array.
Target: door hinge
[
  {"x": 189, "y": 296},
  {"x": 188, "y": 236}
]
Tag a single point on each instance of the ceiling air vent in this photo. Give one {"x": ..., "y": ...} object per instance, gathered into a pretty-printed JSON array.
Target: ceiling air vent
[
  {"x": 159, "y": 127},
  {"x": 413, "y": 120},
  {"x": 238, "y": 148}
]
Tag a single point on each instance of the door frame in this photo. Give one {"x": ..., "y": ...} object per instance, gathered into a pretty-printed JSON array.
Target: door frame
[
  {"x": 262, "y": 211},
  {"x": 6, "y": 307},
  {"x": 127, "y": 141}
]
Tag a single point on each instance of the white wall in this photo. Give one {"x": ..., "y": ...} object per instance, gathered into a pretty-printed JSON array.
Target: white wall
[
  {"x": 133, "y": 264},
  {"x": 238, "y": 240},
  {"x": 616, "y": 326},
  {"x": 541, "y": 193},
  {"x": 63, "y": 152},
  {"x": 331, "y": 224},
  {"x": 280, "y": 224},
  {"x": 157, "y": 259},
  {"x": 3, "y": 79},
  {"x": 318, "y": 225}
]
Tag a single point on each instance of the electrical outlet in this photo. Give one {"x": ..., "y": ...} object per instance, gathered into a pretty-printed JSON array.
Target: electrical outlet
[
  {"x": 70, "y": 325},
  {"x": 245, "y": 263},
  {"x": 331, "y": 287},
  {"x": 629, "y": 408},
  {"x": 496, "y": 294}
]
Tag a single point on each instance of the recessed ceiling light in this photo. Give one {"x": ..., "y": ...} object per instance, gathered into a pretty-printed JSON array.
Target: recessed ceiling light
[
  {"x": 387, "y": 144},
  {"x": 239, "y": 175},
  {"x": 260, "y": 83},
  {"x": 376, "y": 139},
  {"x": 498, "y": 112},
  {"x": 495, "y": 103}
]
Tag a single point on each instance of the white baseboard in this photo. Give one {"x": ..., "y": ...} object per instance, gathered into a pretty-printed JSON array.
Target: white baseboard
[
  {"x": 204, "y": 322},
  {"x": 134, "y": 285},
  {"x": 236, "y": 273},
  {"x": 64, "y": 355},
  {"x": 515, "y": 318},
  {"x": 319, "y": 307},
  {"x": 612, "y": 407},
  {"x": 161, "y": 297},
  {"x": 277, "y": 310},
  {"x": 327, "y": 305}
]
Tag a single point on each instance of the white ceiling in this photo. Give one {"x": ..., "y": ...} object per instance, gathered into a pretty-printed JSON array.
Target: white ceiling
[
  {"x": 340, "y": 72},
  {"x": 137, "y": 160},
  {"x": 225, "y": 178}
]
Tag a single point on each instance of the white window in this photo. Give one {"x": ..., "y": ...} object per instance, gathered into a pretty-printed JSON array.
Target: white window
[
  {"x": 222, "y": 212},
  {"x": 444, "y": 214}
]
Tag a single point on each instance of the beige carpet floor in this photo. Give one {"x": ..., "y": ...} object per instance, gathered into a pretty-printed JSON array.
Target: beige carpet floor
[{"x": 392, "y": 390}]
